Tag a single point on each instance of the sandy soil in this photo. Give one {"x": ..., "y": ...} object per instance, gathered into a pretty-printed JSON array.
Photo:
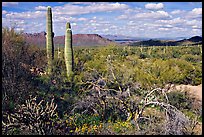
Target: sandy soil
[{"x": 195, "y": 90}]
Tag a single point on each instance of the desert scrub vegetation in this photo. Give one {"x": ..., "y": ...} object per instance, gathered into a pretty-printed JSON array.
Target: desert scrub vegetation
[
  {"x": 128, "y": 64},
  {"x": 17, "y": 59},
  {"x": 114, "y": 90}
]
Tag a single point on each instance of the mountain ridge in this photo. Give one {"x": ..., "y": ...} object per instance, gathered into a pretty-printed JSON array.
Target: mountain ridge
[
  {"x": 78, "y": 39},
  {"x": 99, "y": 40},
  {"x": 155, "y": 42}
]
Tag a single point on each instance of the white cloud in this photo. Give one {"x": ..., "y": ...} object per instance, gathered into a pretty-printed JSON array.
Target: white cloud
[
  {"x": 196, "y": 27},
  {"x": 26, "y": 15},
  {"x": 104, "y": 22},
  {"x": 129, "y": 11},
  {"x": 16, "y": 23},
  {"x": 122, "y": 17},
  {"x": 153, "y": 6},
  {"x": 88, "y": 7},
  {"x": 28, "y": 21},
  {"x": 62, "y": 19},
  {"x": 177, "y": 12},
  {"x": 5, "y": 22},
  {"x": 19, "y": 29},
  {"x": 74, "y": 24},
  {"x": 92, "y": 21},
  {"x": 164, "y": 29},
  {"x": 125, "y": 20},
  {"x": 153, "y": 15},
  {"x": 7, "y": 4},
  {"x": 64, "y": 13},
  {"x": 194, "y": 23},
  {"x": 143, "y": 14},
  {"x": 172, "y": 21},
  {"x": 105, "y": 30},
  {"x": 70, "y": 9},
  {"x": 82, "y": 19},
  {"x": 131, "y": 23},
  {"x": 85, "y": 3},
  {"x": 194, "y": 13},
  {"x": 113, "y": 27},
  {"x": 167, "y": 26},
  {"x": 197, "y": 11},
  {"x": 41, "y": 8},
  {"x": 4, "y": 12}
]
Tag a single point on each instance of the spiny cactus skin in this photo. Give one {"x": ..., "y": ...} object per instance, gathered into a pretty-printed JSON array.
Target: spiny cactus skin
[
  {"x": 68, "y": 51},
  {"x": 49, "y": 39}
]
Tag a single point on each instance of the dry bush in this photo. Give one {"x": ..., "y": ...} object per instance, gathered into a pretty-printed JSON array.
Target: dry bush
[
  {"x": 16, "y": 80},
  {"x": 31, "y": 118},
  {"x": 126, "y": 106}
]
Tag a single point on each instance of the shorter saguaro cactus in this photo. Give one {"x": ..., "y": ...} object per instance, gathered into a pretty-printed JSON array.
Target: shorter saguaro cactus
[
  {"x": 68, "y": 50},
  {"x": 200, "y": 48}
]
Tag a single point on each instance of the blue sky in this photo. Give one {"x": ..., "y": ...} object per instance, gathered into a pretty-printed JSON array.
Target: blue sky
[{"x": 137, "y": 19}]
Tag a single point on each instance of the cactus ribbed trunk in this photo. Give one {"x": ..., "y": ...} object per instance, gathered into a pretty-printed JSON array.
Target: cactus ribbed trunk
[
  {"x": 68, "y": 50},
  {"x": 49, "y": 39},
  {"x": 201, "y": 49},
  {"x": 149, "y": 51}
]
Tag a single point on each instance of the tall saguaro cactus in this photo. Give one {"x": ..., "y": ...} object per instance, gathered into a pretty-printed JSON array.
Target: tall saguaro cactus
[
  {"x": 49, "y": 39},
  {"x": 68, "y": 50}
]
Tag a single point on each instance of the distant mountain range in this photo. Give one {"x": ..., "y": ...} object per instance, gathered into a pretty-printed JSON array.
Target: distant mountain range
[
  {"x": 39, "y": 39},
  {"x": 191, "y": 41},
  {"x": 85, "y": 40},
  {"x": 122, "y": 38}
]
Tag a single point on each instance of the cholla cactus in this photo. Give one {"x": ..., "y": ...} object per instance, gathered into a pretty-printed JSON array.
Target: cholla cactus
[{"x": 32, "y": 117}]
